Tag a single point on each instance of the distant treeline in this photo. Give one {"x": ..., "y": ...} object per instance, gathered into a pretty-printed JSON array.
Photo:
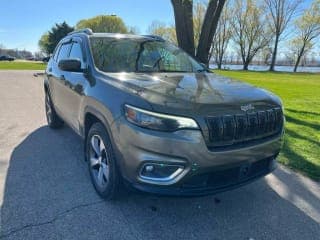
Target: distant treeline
[
  {"x": 308, "y": 60},
  {"x": 16, "y": 53}
]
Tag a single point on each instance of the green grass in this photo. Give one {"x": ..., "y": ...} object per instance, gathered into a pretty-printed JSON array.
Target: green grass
[
  {"x": 20, "y": 65},
  {"x": 300, "y": 93}
]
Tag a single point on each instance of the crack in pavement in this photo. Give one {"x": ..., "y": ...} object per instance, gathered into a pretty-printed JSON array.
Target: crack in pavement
[{"x": 60, "y": 215}]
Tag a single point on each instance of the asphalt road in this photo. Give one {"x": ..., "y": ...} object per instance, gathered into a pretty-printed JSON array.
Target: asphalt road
[{"x": 45, "y": 190}]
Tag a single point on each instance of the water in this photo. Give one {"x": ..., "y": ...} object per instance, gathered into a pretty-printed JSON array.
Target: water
[{"x": 266, "y": 68}]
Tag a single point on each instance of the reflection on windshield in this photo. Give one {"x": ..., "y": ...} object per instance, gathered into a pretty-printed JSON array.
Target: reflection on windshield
[{"x": 140, "y": 55}]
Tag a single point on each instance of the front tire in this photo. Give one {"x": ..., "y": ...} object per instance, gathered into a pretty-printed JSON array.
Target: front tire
[
  {"x": 54, "y": 121},
  {"x": 102, "y": 162}
]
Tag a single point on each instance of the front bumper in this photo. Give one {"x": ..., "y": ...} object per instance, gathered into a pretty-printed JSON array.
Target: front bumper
[{"x": 204, "y": 171}]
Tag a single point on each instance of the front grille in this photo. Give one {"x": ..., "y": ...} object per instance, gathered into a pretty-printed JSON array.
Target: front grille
[{"x": 230, "y": 130}]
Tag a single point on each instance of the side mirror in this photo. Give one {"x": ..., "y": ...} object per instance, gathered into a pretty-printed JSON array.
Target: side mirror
[
  {"x": 205, "y": 66},
  {"x": 70, "y": 65}
]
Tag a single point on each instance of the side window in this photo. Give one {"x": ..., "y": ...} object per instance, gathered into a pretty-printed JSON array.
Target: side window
[
  {"x": 64, "y": 51},
  {"x": 76, "y": 52}
]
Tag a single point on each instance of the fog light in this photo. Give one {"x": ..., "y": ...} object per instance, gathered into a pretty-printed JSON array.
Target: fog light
[
  {"x": 149, "y": 168},
  {"x": 160, "y": 172}
]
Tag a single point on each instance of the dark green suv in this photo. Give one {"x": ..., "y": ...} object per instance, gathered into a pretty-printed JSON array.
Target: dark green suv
[{"x": 154, "y": 118}]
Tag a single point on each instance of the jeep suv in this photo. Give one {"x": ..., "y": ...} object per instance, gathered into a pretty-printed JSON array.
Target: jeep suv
[{"x": 154, "y": 118}]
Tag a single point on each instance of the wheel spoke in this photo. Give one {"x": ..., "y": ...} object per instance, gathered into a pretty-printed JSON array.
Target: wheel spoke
[
  {"x": 101, "y": 146},
  {"x": 100, "y": 176},
  {"x": 95, "y": 145},
  {"x": 105, "y": 170},
  {"x": 94, "y": 161},
  {"x": 99, "y": 160}
]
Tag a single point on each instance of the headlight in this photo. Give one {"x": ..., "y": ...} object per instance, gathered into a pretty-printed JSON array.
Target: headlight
[{"x": 158, "y": 121}]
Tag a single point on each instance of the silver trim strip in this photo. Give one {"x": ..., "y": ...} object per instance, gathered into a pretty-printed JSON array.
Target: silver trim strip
[{"x": 161, "y": 181}]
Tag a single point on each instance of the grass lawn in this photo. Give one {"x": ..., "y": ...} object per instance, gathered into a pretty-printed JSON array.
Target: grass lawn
[
  {"x": 22, "y": 65},
  {"x": 300, "y": 93}
]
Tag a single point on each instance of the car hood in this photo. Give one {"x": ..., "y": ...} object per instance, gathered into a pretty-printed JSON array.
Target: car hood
[{"x": 167, "y": 92}]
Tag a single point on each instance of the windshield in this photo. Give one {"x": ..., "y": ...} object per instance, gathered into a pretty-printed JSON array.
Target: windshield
[{"x": 140, "y": 55}]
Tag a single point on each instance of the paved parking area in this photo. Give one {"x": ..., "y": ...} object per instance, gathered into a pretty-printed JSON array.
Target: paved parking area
[{"x": 45, "y": 190}]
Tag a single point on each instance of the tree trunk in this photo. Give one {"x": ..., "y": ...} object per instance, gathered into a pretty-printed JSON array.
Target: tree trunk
[
  {"x": 184, "y": 24},
  {"x": 220, "y": 59},
  {"x": 274, "y": 54},
  {"x": 246, "y": 66},
  {"x": 299, "y": 58},
  {"x": 208, "y": 29},
  {"x": 297, "y": 64}
]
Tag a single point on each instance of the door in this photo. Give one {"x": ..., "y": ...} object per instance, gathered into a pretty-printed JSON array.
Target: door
[
  {"x": 58, "y": 80},
  {"x": 75, "y": 83}
]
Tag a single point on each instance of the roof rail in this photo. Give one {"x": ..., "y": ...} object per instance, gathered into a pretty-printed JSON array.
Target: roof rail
[
  {"x": 87, "y": 31},
  {"x": 156, "y": 37}
]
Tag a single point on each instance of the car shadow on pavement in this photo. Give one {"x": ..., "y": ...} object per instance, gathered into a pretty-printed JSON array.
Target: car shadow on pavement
[{"x": 48, "y": 195}]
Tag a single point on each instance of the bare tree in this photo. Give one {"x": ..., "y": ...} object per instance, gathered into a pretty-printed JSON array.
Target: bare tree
[
  {"x": 133, "y": 30},
  {"x": 163, "y": 30},
  {"x": 183, "y": 12},
  {"x": 208, "y": 29},
  {"x": 308, "y": 28},
  {"x": 184, "y": 24},
  {"x": 249, "y": 29},
  {"x": 222, "y": 37},
  {"x": 298, "y": 48},
  {"x": 280, "y": 14},
  {"x": 265, "y": 55},
  {"x": 199, "y": 11}
]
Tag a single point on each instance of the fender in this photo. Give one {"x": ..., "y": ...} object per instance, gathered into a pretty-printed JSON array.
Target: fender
[
  {"x": 97, "y": 113},
  {"x": 107, "y": 124},
  {"x": 46, "y": 84}
]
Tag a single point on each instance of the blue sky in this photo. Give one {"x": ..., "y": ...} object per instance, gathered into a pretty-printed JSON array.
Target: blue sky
[{"x": 23, "y": 22}]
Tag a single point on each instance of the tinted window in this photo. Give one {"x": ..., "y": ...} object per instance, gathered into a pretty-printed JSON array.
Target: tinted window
[
  {"x": 76, "y": 52},
  {"x": 64, "y": 51},
  {"x": 140, "y": 55},
  {"x": 112, "y": 55}
]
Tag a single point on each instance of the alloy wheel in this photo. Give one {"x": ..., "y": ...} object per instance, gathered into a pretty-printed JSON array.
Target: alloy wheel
[{"x": 99, "y": 162}]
